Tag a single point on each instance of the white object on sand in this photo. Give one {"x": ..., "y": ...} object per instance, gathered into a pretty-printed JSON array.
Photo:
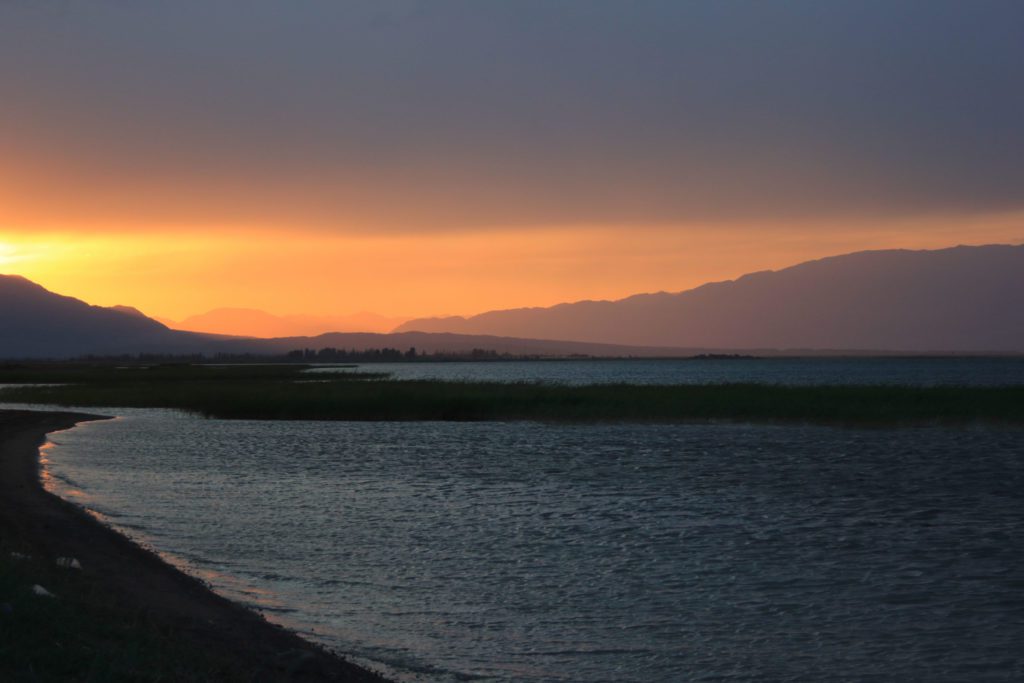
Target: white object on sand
[
  {"x": 42, "y": 592},
  {"x": 68, "y": 563}
]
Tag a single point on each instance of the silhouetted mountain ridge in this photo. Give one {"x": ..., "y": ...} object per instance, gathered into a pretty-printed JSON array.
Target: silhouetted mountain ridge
[
  {"x": 959, "y": 299},
  {"x": 963, "y": 299},
  {"x": 36, "y": 323},
  {"x": 131, "y": 310}
]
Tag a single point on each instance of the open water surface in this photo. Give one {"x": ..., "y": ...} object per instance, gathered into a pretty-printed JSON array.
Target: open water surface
[
  {"x": 921, "y": 371},
  {"x": 530, "y": 552}
]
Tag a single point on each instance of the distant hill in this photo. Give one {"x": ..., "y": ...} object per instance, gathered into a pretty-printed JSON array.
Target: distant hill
[
  {"x": 964, "y": 299},
  {"x": 250, "y": 322},
  {"x": 960, "y": 299},
  {"x": 36, "y": 323},
  {"x": 131, "y": 310}
]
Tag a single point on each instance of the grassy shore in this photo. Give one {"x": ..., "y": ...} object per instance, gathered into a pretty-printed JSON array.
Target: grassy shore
[{"x": 283, "y": 393}]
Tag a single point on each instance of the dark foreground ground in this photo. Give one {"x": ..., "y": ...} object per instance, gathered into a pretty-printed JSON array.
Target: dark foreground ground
[{"x": 125, "y": 615}]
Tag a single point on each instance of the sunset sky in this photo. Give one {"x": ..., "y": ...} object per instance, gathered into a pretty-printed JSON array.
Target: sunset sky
[{"x": 417, "y": 158}]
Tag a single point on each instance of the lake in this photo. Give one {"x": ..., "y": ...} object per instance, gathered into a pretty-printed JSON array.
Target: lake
[
  {"x": 528, "y": 552},
  {"x": 620, "y": 552},
  {"x": 922, "y": 371}
]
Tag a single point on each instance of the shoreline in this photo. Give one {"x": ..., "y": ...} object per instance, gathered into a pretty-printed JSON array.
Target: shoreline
[{"x": 135, "y": 582}]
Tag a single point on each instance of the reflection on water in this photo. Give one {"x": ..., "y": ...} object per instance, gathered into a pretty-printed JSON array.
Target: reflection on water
[
  {"x": 904, "y": 371},
  {"x": 525, "y": 552}
]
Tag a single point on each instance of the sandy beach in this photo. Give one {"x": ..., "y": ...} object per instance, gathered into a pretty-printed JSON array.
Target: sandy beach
[{"x": 136, "y": 583}]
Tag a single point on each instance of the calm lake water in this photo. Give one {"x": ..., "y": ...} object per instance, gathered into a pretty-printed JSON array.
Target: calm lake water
[
  {"x": 537, "y": 552},
  {"x": 523, "y": 552},
  {"x": 912, "y": 371}
]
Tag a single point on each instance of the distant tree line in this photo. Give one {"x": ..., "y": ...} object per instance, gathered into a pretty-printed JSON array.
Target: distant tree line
[
  {"x": 389, "y": 355},
  {"x": 328, "y": 354}
]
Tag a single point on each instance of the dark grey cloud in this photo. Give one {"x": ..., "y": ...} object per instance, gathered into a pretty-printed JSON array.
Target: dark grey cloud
[{"x": 461, "y": 114}]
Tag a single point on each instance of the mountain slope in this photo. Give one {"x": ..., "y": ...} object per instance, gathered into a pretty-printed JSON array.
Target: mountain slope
[
  {"x": 36, "y": 323},
  {"x": 957, "y": 299}
]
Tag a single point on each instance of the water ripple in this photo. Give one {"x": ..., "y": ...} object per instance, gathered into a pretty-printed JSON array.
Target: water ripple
[{"x": 524, "y": 552}]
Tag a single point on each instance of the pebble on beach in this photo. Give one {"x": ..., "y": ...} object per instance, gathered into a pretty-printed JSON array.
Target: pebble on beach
[
  {"x": 69, "y": 563},
  {"x": 42, "y": 592}
]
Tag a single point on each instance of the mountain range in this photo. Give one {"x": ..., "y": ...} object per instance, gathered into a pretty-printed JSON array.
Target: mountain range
[
  {"x": 958, "y": 300},
  {"x": 961, "y": 299},
  {"x": 36, "y": 323}
]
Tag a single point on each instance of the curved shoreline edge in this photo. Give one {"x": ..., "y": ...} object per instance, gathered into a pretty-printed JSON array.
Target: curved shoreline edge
[{"x": 136, "y": 581}]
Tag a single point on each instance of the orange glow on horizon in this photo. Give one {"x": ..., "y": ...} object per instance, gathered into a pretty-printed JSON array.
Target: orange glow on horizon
[{"x": 174, "y": 275}]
